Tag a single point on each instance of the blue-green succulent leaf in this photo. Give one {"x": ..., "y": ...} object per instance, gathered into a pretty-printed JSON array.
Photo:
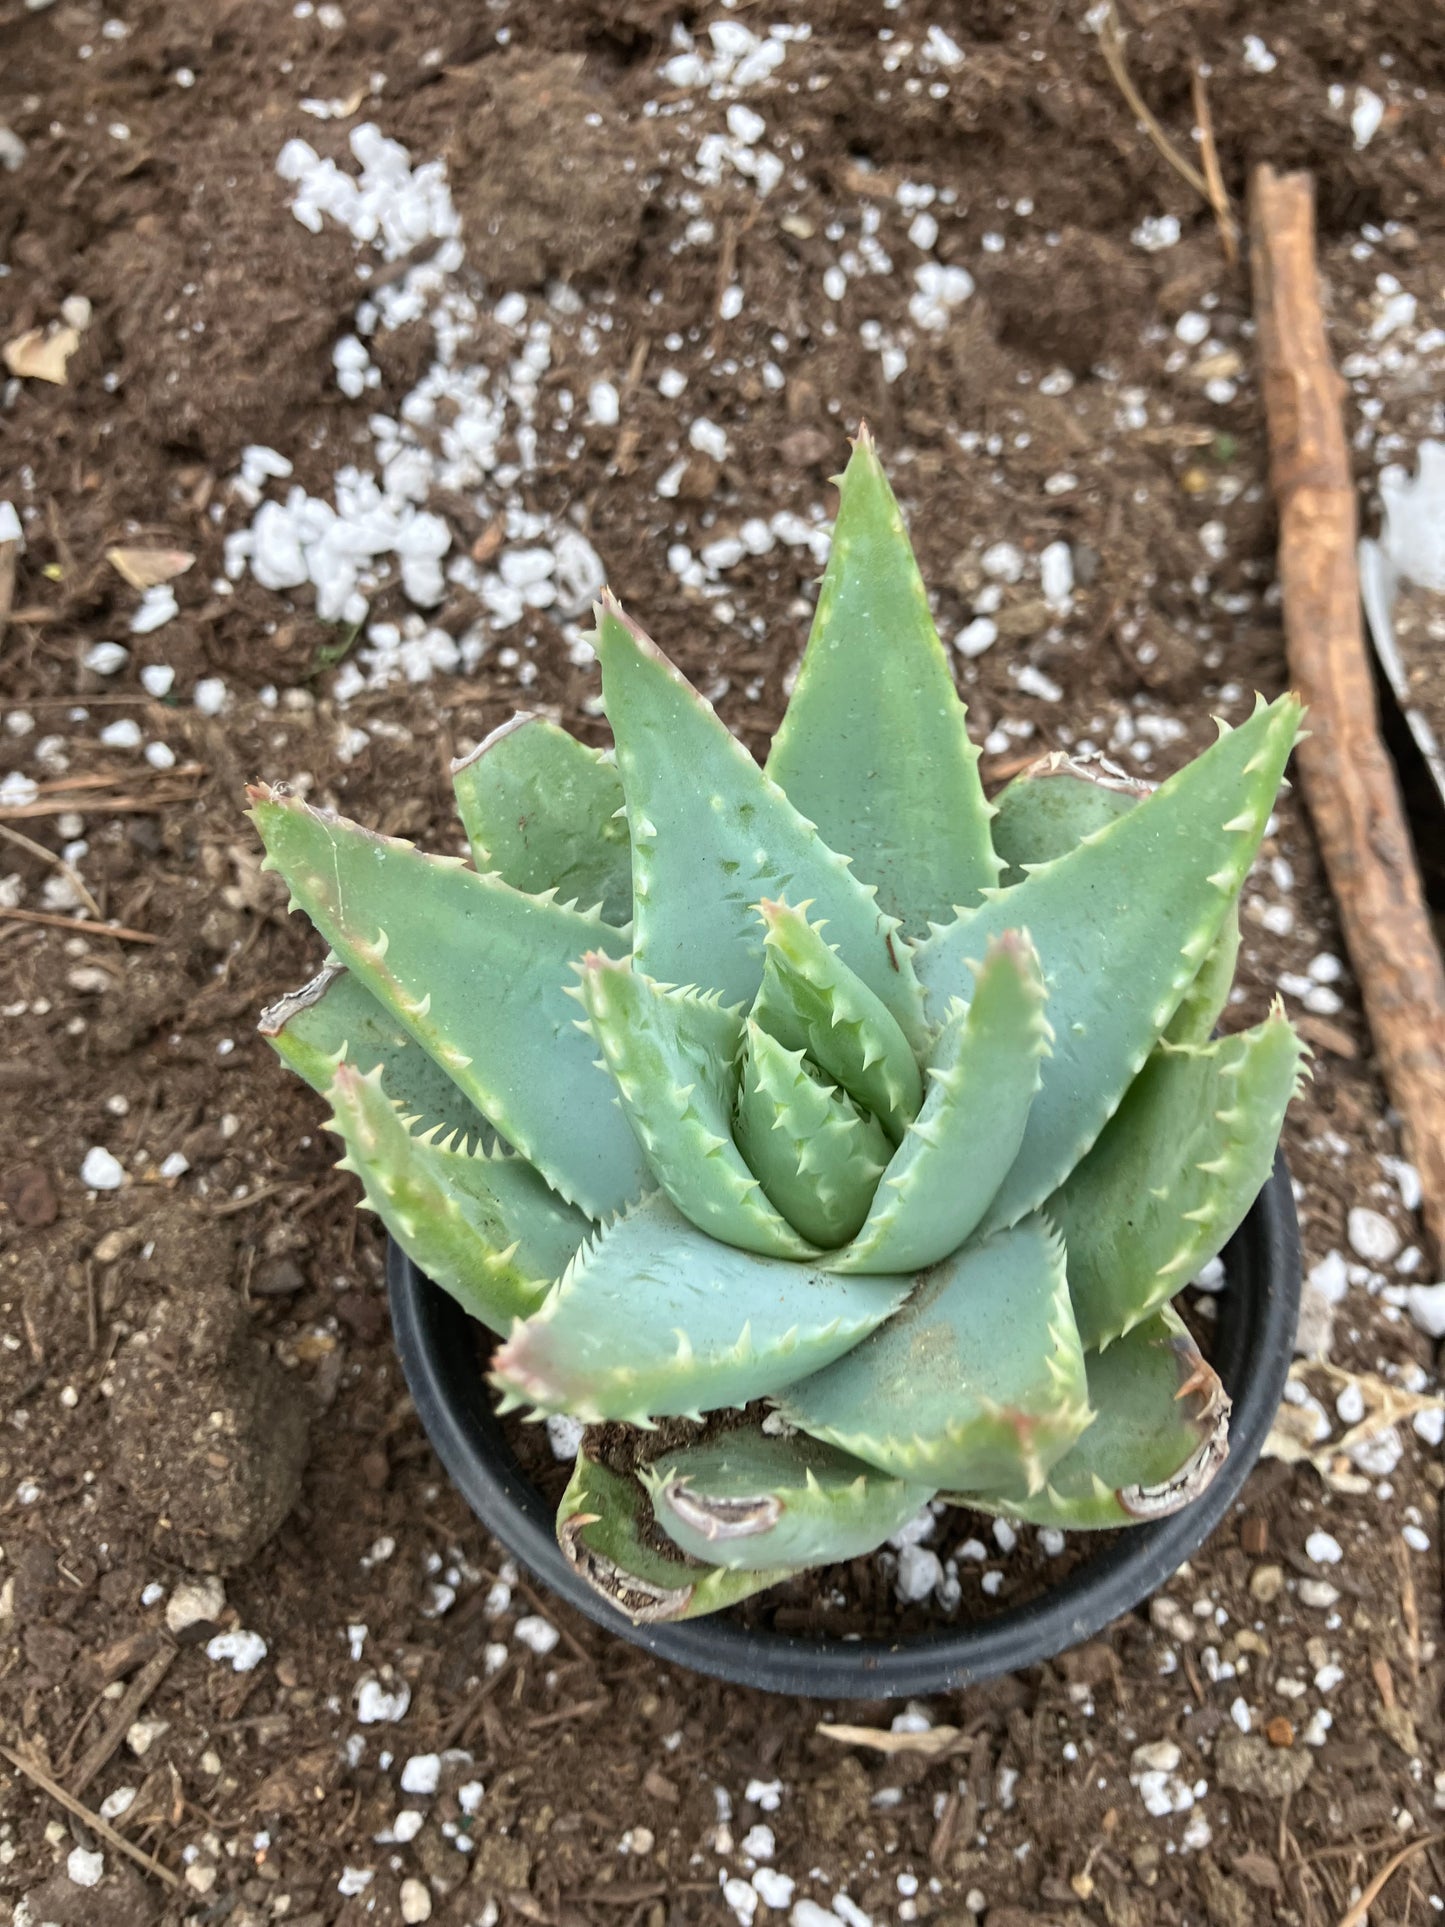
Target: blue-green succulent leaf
[
  {"x": 1058, "y": 801},
  {"x": 654, "y": 1319},
  {"x": 1137, "y": 903},
  {"x": 673, "y": 1057},
  {"x": 752, "y": 1499},
  {"x": 811, "y": 1001},
  {"x": 478, "y": 974},
  {"x": 817, "y": 1155},
  {"x": 1174, "y": 1172},
  {"x": 712, "y": 836},
  {"x": 544, "y": 812},
  {"x": 1160, "y": 1435},
  {"x": 874, "y": 747},
  {"x": 963, "y": 1142},
  {"x": 333, "y": 1018},
  {"x": 976, "y": 1384},
  {"x": 602, "y": 1530},
  {"x": 486, "y": 1229}
]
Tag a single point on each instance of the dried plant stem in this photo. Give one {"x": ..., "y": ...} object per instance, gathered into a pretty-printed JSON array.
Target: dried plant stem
[
  {"x": 93, "y": 1820},
  {"x": 1111, "y": 43}
]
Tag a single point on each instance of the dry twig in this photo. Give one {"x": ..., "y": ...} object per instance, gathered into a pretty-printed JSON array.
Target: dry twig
[
  {"x": 1356, "y": 1915},
  {"x": 53, "y": 921},
  {"x": 93, "y": 1820},
  {"x": 1349, "y": 781},
  {"x": 1213, "y": 174},
  {"x": 53, "y": 857},
  {"x": 1111, "y": 44}
]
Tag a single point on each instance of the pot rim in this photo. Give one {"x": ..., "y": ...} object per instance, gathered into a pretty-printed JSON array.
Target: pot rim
[{"x": 1256, "y": 1319}]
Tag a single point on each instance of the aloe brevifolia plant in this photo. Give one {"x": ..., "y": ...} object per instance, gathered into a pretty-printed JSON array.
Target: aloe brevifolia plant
[{"x": 881, "y": 1120}]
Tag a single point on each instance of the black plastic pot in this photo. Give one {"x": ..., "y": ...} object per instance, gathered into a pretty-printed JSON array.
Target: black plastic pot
[{"x": 1254, "y": 1339}]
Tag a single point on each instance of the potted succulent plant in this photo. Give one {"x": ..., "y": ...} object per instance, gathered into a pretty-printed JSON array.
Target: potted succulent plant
[{"x": 867, "y": 1125}]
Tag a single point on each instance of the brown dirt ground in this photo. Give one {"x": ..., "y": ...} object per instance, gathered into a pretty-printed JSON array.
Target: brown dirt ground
[{"x": 617, "y": 1790}]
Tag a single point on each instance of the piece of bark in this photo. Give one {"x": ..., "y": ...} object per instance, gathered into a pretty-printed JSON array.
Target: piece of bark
[{"x": 1349, "y": 782}]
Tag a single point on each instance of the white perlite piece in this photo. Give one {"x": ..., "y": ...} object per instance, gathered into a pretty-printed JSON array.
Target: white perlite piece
[
  {"x": 415, "y": 1901},
  {"x": 1323, "y": 1548},
  {"x": 1426, "y": 1306},
  {"x": 564, "y": 1435},
  {"x": 101, "y": 1170},
  {"x": 106, "y": 658},
  {"x": 245, "y": 1651},
  {"x": 919, "y": 1571},
  {"x": 422, "y": 1774},
  {"x": 1372, "y": 1236},
  {"x": 375, "y": 1705},
  {"x": 1154, "y": 1771},
  {"x": 158, "y": 606},
  {"x": 85, "y": 1868},
  {"x": 939, "y": 290},
  {"x": 536, "y": 1633}
]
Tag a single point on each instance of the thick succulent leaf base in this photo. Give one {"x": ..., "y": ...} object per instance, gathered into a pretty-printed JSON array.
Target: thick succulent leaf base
[
  {"x": 1160, "y": 1434},
  {"x": 601, "y": 1528},
  {"x": 755, "y": 1498},
  {"x": 977, "y": 1382},
  {"x": 654, "y": 1319}
]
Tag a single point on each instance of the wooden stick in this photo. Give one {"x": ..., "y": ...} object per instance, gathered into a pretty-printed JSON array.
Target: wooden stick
[
  {"x": 1349, "y": 782},
  {"x": 80, "y": 926},
  {"x": 1367, "y": 1899},
  {"x": 92, "y": 1820}
]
